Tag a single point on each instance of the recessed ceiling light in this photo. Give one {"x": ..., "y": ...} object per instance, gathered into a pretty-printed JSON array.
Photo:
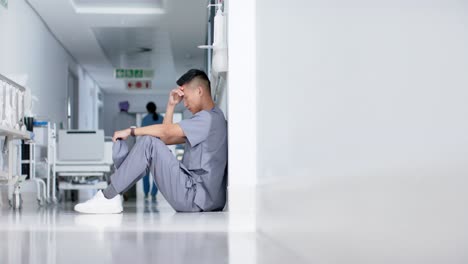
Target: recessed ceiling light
[
  {"x": 119, "y": 7},
  {"x": 120, "y": 10}
]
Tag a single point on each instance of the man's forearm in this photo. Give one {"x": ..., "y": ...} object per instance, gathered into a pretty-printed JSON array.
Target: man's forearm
[
  {"x": 154, "y": 130},
  {"x": 168, "y": 117},
  {"x": 168, "y": 133}
]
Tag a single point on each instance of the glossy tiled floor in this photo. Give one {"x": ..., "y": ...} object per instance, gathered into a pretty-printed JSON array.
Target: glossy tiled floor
[{"x": 145, "y": 233}]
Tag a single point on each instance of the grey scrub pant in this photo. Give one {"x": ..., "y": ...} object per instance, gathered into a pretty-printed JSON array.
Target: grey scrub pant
[{"x": 150, "y": 154}]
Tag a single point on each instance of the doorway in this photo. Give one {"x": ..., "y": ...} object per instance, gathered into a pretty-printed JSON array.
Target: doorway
[{"x": 72, "y": 101}]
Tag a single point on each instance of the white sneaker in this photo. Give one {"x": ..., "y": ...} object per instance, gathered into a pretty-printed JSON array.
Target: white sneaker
[{"x": 100, "y": 205}]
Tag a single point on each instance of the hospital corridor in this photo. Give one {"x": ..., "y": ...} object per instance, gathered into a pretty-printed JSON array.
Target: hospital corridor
[{"x": 233, "y": 131}]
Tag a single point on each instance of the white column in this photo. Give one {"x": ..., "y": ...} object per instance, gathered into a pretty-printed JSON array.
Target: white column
[{"x": 241, "y": 112}]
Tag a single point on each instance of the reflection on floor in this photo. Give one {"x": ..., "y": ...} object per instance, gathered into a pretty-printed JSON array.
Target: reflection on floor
[{"x": 145, "y": 233}]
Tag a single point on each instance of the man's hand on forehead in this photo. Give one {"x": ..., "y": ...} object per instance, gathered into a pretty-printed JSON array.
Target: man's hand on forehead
[
  {"x": 176, "y": 95},
  {"x": 180, "y": 91}
]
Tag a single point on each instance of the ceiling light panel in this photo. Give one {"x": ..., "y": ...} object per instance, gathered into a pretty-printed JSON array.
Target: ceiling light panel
[{"x": 119, "y": 6}]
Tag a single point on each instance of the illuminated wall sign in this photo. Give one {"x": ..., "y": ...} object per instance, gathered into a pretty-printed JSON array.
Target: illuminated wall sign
[
  {"x": 138, "y": 84},
  {"x": 133, "y": 73}
]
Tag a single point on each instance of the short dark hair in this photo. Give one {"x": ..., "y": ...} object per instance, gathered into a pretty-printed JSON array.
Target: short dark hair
[{"x": 193, "y": 74}]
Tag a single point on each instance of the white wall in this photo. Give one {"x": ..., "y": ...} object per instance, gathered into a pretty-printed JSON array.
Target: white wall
[
  {"x": 30, "y": 55},
  {"x": 362, "y": 128},
  {"x": 241, "y": 108}
]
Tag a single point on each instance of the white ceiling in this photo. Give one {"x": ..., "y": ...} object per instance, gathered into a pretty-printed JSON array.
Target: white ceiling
[{"x": 105, "y": 34}]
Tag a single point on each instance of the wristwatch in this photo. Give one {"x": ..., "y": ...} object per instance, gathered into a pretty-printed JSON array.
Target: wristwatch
[{"x": 132, "y": 131}]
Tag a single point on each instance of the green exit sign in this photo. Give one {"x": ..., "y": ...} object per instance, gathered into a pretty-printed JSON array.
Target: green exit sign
[
  {"x": 4, "y": 3},
  {"x": 133, "y": 74}
]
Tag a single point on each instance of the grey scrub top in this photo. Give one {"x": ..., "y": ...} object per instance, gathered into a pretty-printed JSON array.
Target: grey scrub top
[{"x": 205, "y": 157}]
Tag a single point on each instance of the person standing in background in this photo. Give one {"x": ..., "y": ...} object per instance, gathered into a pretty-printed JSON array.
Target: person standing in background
[{"x": 152, "y": 118}]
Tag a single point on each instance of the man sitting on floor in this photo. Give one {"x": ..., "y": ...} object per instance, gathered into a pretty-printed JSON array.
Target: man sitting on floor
[{"x": 198, "y": 183}]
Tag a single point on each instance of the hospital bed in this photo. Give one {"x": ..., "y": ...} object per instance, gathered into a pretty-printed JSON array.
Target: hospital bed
[
  {"x": 84, "y": 160},
  {"x": 12, "y": 131}
]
